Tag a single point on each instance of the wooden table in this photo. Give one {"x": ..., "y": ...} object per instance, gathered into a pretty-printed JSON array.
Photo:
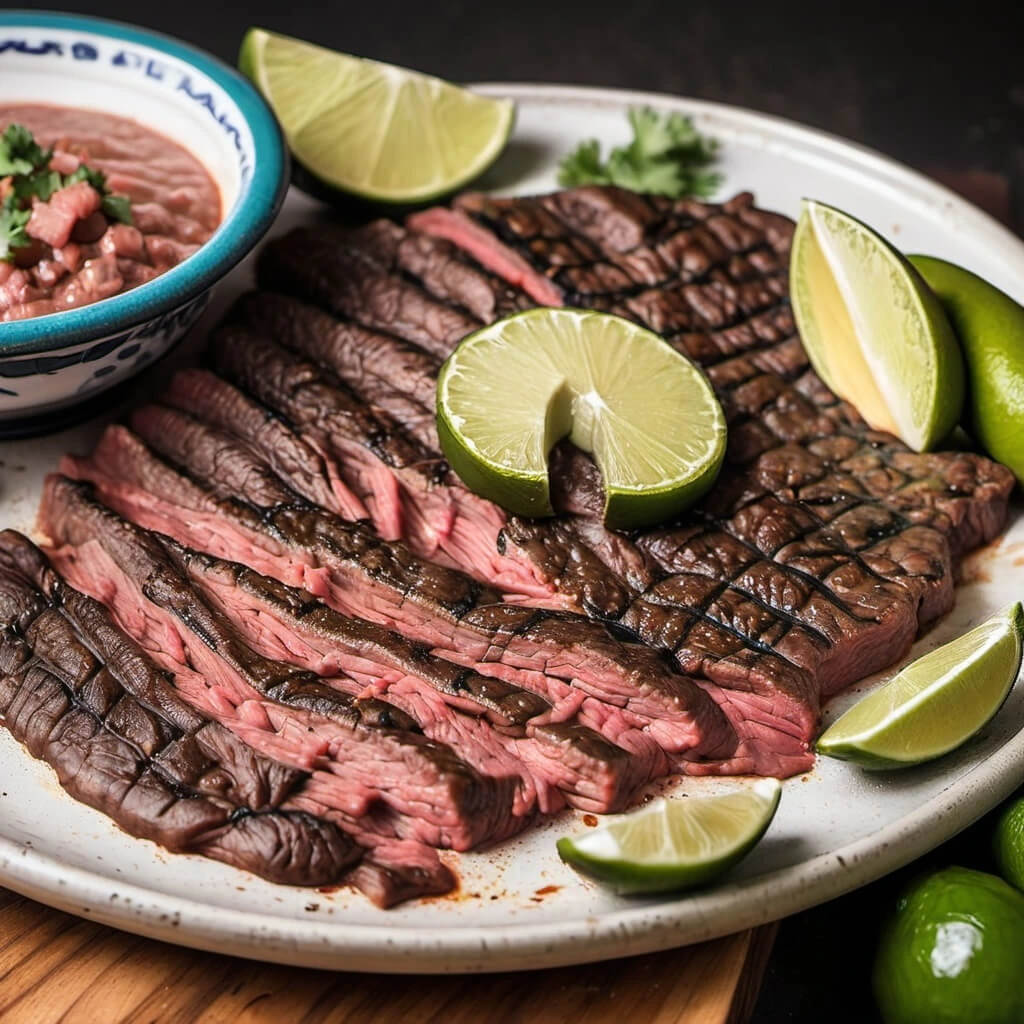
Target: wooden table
[{"x": 55, "y": 967}]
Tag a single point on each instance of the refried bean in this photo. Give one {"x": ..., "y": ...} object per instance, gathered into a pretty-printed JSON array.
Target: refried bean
[{"x": 175, "y": 207}]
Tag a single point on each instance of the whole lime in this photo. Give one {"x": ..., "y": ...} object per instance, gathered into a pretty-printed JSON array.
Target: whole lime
[
  {"x": 953, "y": 952},
  {"x": 1008, "y": 843},
  {"x": 990, "y": 327}
]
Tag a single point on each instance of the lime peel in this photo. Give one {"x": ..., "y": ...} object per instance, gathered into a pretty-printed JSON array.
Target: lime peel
[
  {"x": 675, "y": 844},
  {"x": 936, "y": 703}
]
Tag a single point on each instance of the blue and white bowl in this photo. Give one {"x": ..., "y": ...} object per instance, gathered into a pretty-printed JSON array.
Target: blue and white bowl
[{"x": 51, "y": 363}]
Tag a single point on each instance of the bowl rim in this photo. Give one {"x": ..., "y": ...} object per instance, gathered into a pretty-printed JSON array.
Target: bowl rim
[{"x": 254, "y": 212}]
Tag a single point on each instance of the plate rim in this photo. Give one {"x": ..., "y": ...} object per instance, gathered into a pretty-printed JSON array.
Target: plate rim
[{"x": 629, "y": 931}]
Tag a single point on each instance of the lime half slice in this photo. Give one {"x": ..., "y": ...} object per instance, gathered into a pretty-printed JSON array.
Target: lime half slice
[
  {"x": 936, "y": 703},
  {"x": 872, "y": 328},
  {"x": 675, "y": 844},
  {"x": 646, "y": 414},
  {"x": 373, "y": 130}
]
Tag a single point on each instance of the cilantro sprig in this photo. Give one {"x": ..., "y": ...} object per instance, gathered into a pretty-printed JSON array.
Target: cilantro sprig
[
  {"x": 667, "y": 157},
  {"x": 25, "y": 165}
]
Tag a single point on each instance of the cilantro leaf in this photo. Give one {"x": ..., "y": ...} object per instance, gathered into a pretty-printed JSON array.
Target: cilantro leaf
[
  {"x": 117, "y": 208},
  {"x": 667, "y": 156},
  {"x": 82, "y": 172},
  {"x": 19, "y": 151},
  {"x": 40, "y": 184},
  {"x": 12, "y": 230},
  {"x": 583, "y": 166}
]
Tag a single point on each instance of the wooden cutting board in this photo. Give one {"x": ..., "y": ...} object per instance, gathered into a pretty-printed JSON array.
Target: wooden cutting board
[{"x": 55, "y": 967}]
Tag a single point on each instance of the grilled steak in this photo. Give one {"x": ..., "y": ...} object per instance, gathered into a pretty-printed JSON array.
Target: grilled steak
[
  {"x": 787, "y": 623},
  {"x": 376, "y": 756},
  {"x": 82, "y": 696},
  {"x": 417, "y": 667},
  {"x": 492, "y": 724},
  {"x": 565, "y": 656}
]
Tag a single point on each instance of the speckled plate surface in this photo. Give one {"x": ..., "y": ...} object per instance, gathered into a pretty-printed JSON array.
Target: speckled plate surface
[{"x": 518, "y": 906}]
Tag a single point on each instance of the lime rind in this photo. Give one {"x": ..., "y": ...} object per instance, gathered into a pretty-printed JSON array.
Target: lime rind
[
  {"x": 671, "y": 845},
  {"x": 648, "y": 416},
  {"x": 935, "y": 704},
  {"x": 374, "y": 131},
  {"x": 990, "y": 327},
  {"x": 872, "y": 328}
]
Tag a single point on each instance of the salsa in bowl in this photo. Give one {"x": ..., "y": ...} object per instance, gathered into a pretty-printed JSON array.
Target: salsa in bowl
[{"x": 155, "y": 169}]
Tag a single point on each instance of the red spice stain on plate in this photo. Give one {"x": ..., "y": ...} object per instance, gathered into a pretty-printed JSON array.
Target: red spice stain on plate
[{"x": 547, "y": 890}]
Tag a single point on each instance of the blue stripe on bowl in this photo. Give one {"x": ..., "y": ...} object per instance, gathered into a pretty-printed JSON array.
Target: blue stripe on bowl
[{"x": 258, "y": 203}]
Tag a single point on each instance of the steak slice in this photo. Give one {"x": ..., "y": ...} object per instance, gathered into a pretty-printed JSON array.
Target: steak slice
[
  {"x": 448, "y": 524},
  {"x": 486, "y": 720},
  {"x": 374, "y": 759},
  {"x": 82, "y": 696},
  {"x": 339, "y": 424},
  {"x": 569, "y": 656},
  {"x": 330, "y": 268}
]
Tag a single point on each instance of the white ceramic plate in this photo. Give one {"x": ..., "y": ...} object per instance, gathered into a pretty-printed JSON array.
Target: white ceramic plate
[{"x": 518, "y": 906}]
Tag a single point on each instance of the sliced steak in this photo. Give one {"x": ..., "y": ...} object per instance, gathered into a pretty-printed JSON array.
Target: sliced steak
[
  {"x": 311, "y": 473},
  {"x": 386, "y": 371},
  {"x": 488, "y": 721},
  {"x": 440, "y": 519},
  {"x": 867, "y": 529},
  {"x": 82, "y": 696},
  {"x": 374, "y": 756},
  {"x": 457, "y": 617},
  {"x": 330, "y": 268},
  {"x": 344, "y": 428}
]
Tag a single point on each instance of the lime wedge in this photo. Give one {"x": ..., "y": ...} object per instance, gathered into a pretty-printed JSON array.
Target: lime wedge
[
  {"x": 990, "y": 326},
  {"x": 646, "y": 414},
  {"x": 872, "y": 329},
  {"x": 373, "y": 130},
  {"x": 934, "y": 704},
  {"x": 675, "y": 844}
]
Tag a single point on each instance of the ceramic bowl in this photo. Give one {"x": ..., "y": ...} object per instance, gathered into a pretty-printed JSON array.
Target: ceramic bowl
[{"x": 51, "y": 366}]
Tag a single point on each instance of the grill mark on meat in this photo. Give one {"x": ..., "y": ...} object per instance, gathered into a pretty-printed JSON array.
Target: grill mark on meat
[
  {"x": 85, "y": 699},
  {"x": 311, "y": 473},
  {"x": 295, "y": 627},
  {"x": 456, "y": 616},
  {"x": 464, "y": 808},
  {"x": 340, "y": 425},
  {"x": 322, "y": 267}
]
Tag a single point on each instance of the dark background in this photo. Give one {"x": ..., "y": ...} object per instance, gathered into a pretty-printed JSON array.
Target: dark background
[
  {"x": 935, "y": 84},
  {"x": 938, "y": 85}
]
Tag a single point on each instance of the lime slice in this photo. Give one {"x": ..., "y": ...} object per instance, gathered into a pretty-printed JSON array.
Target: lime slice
[
  {"x": 373, "y": 130},
  {"x": 872, "y": 329},
  {"x": 990, "y": 326},
  {"x": 675, "y": 844},
  {"x": 936, "y": 703},
  {"x": 646, "y": 414}
]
